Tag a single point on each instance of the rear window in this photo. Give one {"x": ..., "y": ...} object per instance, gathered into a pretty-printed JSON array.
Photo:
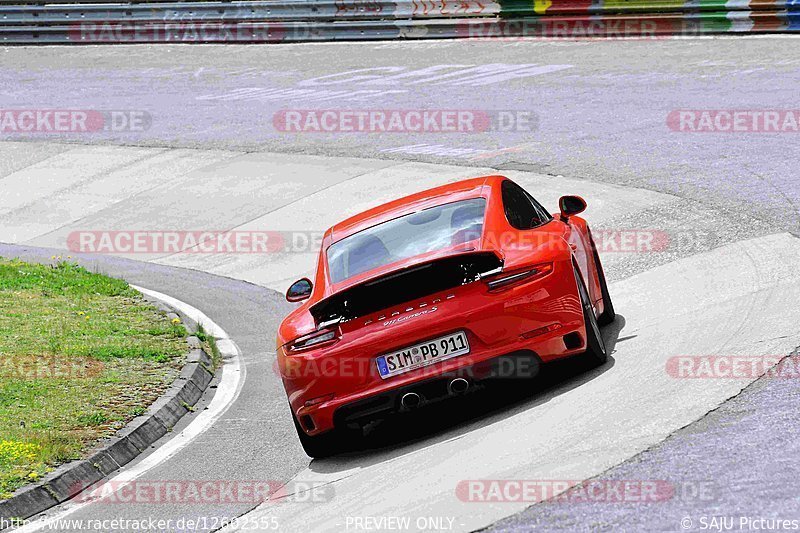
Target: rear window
[{"x": 418, "y": 233}]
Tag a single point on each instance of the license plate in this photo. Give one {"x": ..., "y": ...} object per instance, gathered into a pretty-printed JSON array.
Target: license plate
[{"x": 422, "y": 354}]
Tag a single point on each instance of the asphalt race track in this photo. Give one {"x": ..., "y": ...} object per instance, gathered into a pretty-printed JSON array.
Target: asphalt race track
[{"x": 721, "y": 280}]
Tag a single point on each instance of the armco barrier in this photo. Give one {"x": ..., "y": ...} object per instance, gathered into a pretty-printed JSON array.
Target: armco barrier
[
  {"x": 274, "y": 21},
  {"x": 281, "y": 11}
]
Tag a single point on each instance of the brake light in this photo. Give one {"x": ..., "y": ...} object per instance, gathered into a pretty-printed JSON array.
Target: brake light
[
  {"x": 313, "y": 340},
  {"x": 510, "y": 279}
]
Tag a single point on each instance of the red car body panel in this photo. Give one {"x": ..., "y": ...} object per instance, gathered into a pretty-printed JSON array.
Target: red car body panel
[{"x": 534, "y": 315}]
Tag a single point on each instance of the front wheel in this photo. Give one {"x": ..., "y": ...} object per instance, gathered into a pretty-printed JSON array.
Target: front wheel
[{"x": 596, "y": 351}]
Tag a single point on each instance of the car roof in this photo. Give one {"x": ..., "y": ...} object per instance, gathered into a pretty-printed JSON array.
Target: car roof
[{"x": 444, "y": 194}]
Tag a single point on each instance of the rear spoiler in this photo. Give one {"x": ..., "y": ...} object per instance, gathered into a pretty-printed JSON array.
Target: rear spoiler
[{"x": 404, "y": 285}]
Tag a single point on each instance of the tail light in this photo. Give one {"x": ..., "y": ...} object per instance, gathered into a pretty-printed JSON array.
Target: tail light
[
  {"x": 317, "y": 339},
  {"x": 518, "y": 277}
]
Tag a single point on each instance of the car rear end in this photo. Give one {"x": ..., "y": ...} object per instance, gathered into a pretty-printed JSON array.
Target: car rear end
[{"x": 428, "y": 328}]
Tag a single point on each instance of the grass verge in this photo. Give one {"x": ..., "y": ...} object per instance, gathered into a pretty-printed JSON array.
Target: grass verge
[{"x": 81, "y": 354}]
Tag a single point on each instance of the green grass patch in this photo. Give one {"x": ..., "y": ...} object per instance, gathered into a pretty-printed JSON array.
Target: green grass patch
[
  {"x": 81, "y": 354},
  {"x": 209, "y": 345}
]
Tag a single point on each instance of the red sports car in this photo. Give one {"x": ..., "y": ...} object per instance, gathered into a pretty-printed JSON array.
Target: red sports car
[{"x": 421, "y": 298}]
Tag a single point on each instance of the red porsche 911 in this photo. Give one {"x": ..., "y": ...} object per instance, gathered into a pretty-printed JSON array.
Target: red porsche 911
[{"x": 424, "y": 297}]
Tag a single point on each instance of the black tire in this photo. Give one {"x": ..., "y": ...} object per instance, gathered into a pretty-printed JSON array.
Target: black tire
[
  {"x": 318, "y": 446},
  {"x": 608, "y": 315},
  {"x": 596, "y": 352}
]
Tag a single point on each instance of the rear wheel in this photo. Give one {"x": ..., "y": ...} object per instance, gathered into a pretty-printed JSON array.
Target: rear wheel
[
  {"x": 595, "y": 346},
  {"x": 608, "y": 315},
  {"x": 318, "y": 446}
]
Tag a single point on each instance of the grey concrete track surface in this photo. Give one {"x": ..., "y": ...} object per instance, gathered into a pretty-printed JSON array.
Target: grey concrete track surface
[
  {"x": 601, "y": 106},
  {"x": 729, "y": 290}
]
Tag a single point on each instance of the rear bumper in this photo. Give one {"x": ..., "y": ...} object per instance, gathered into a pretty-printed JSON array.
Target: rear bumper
[
  {"x": 520, "y": 361},
  {"x": 515, "y": 365},
  {"x": 543, "y": 317}
]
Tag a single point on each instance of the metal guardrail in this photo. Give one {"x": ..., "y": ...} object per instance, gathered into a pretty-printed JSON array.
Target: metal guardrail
[
  {"x": 282, "y": 11},
  {"x": 331, "y": 20},
  {"x": 285, "y": 10},
  {"x": 652, "y": 26}
]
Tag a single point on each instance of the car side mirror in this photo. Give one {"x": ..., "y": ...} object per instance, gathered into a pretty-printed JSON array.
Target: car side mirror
[
  {"x": 300, "y": 290},
  {"x": 571, "y": 205}
]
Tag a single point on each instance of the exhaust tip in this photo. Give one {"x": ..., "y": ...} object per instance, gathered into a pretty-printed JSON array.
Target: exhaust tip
[
  {"x": 458, "y": 386},
  {"x": 410, "y": 400}
]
